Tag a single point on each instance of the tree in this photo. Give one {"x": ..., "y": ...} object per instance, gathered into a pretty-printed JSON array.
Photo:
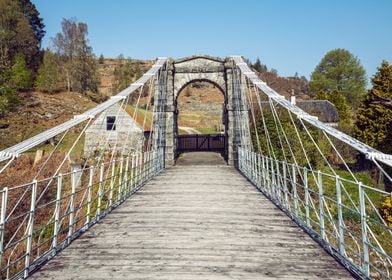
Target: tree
[
  {"x": 20, "y": 76},
  {"x": 77, "y": 60},
  {"x": 48, "y": 73},
  {"x": 291, "y": 151},
  {"x": 341, "y": 71},
  {"x": 125, "y": 73},
  {"x": 8, "y": 99},
  {"x": 374, "y": 120},
  {"x": 37, "y": 26},
  {"x": 21, "y": 32},
  {"x": 33, "y": 16},
  {"x": 101, "y": 59},
  {"x": 259, "y": 67},
  {"x": 340, "y": 103}
]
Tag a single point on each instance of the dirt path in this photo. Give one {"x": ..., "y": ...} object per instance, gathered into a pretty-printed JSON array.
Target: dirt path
[{"x": 189, "y": 130}]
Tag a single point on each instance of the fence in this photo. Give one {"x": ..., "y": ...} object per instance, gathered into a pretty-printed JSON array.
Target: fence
[
  {"x": 39, "y": 219},
  {"x": 341, "y": 214}
]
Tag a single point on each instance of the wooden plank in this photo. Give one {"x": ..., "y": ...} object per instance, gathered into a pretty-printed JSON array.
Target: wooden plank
[{"x": 195, "y": 222}]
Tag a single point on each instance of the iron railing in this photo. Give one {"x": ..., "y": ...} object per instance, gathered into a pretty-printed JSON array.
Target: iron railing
[
  {"x": 39, "y": 219},
  {"x": 343, "y": 215},
  {"x": 201, "y": 143}
]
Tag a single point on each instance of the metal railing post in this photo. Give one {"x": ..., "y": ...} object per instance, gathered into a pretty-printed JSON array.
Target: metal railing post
[
  {"x": 142, "y": 155},
  {"x": 100, "y": 190},
  {"x": 340, "y": 215},
  {"x": 112, "y": 183},
  {"x": 239, "y": 159},
  {"x": 120, "y": 182},
  {"x": 145, "y": 163},
  {"x": 126, "y": 177},
  {"x": 259, "y": 170},
  {"x": 263, "y": 172},
  {"x": 72, "y": 205},
  {"x": 136, "y": 173},
  {"x": 30, "y": 229},
  {"x": 273, "y": 179},
  {"x": 286, "y": 198},
  {"x": 268, "y": 177},
  {"x": 3, "y": 216},
  {"x": 132, "y": 173},
  {"x": 295, "y": 193},
  {"x": 278, "y": 185},
  {"x": 321, "y": 203},
  {"x": 89, "y": 195},
  {"x": 57, "y": 211},
  {"x": 306, "y": 188},
  {"x": 154, "y": 162},
  {"x": 254, "y": 177},
  {"x": 365, "y": 241}
]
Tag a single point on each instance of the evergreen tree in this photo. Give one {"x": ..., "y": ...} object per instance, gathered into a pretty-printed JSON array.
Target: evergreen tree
[
  {"x": 337, "y": 99},
  {"x": 340, "y": 70},
  {"x": 20, "y": 77},
  {"x": 9, "y": 99},
  {"x": 374, "y": 121},
  {"x": 257, "y": 65},
  {"x": 101, "y": 59},
  {"x": 48, "y": 73},
  {"x": 37, "y": 26},
  {"x": 21, "y": 31}
]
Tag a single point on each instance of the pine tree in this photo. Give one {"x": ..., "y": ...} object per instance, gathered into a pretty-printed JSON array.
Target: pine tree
[
  {"x": 101, "y": 59},
  {"x": 48, "y": 73},
  {"x": 374, "y": 121},
  {"x": 20, "y": 77},
  {"x": 9, "y": 99},
  {"x": 337, "y": 99}
]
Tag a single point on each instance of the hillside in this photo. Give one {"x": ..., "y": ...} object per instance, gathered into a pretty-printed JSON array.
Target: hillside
[
  {"x": 106, "y": 70},
  {"x": 38, "y": 112},
  {"x": 200, "y": 107}
]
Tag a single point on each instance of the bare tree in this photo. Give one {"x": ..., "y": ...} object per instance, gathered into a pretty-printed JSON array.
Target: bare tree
[{"x": 76, "y": 56}]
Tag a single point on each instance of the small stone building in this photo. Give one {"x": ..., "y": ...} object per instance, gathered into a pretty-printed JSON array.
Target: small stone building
[
  {"x": 324, "y": 110},
  {"x": 113, "y": 126}
]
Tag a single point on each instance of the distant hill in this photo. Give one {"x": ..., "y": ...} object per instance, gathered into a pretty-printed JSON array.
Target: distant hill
[
  {"x": 286, "y": 85},
  {"x": 106, "y": 70},
  {"x": 39, "y": 112}
]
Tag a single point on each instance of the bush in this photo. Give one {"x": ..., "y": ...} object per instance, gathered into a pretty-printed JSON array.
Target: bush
[
  {"x": 20, "y": 77},
  {"x": 48, "y": 73},
  {"x": 386, "y": 211},
  {"x": 9, "y": 99}
]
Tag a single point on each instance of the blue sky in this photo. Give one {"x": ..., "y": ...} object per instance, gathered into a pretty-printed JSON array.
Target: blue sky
[{"x": 290, "y": 36}]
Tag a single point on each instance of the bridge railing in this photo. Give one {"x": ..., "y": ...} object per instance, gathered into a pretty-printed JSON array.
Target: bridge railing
[
  {"x": 40, "y": 218},
  {"x": 343, "y": 215}
]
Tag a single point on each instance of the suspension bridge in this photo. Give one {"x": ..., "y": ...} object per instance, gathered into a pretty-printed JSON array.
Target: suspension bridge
[{"x": 278, "y": 194}]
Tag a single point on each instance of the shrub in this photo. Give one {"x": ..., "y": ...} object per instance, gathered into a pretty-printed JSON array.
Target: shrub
[{"x": 386, "y": 211}]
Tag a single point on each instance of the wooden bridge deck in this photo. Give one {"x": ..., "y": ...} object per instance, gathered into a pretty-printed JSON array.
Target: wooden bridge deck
[{"x": 195, "y": 222}]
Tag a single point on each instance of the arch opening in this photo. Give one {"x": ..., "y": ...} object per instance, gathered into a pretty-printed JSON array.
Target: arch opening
[{"x": 200, "y": 117}]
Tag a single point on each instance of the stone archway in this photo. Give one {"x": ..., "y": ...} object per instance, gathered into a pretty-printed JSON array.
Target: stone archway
[
  {"x": 205, "y": 108},
  {"x": 182, "y": 72}
]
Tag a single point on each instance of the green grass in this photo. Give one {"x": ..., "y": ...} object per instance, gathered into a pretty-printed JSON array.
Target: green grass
[{"x": 207, "y": 130}]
